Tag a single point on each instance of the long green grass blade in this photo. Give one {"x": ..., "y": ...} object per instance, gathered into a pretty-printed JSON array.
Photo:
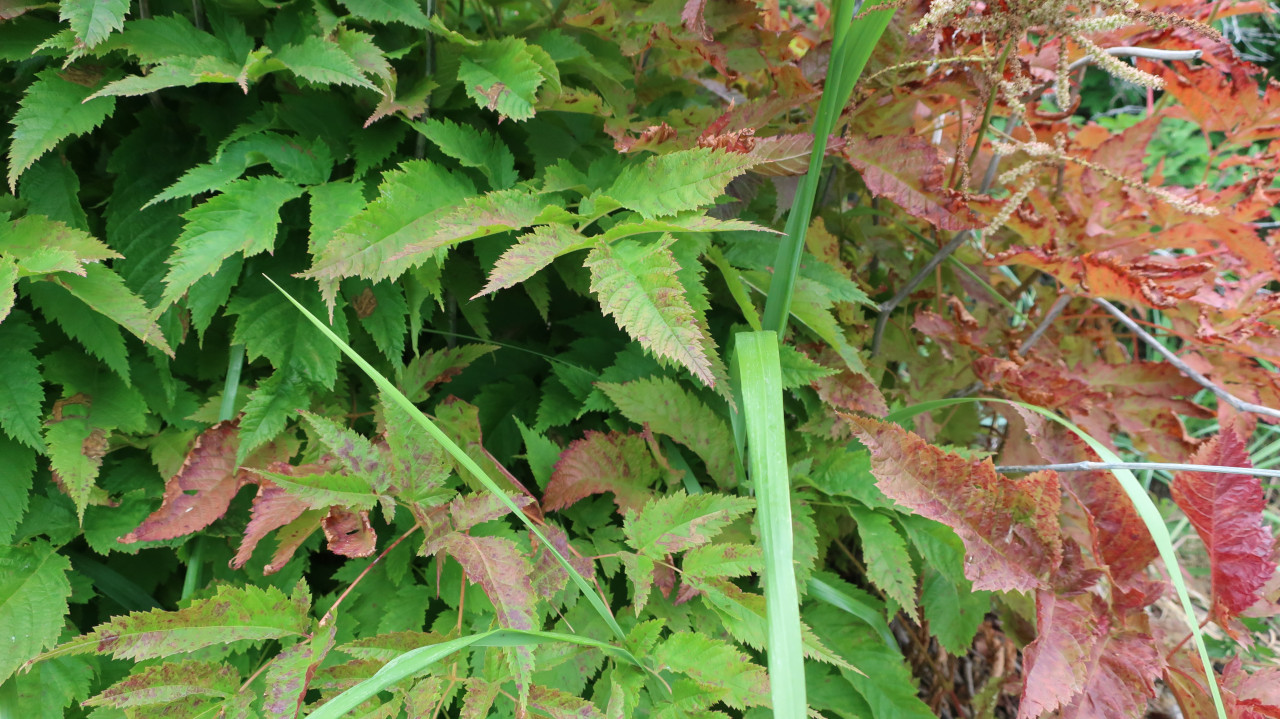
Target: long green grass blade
[
  {"x": 761, "y": 375},
  {"x": 1141, "y": 500},
  {"x": 851, "y": 48},
  {"x": 417, "y": 660},
  {"x": 461, "y": 456},
  {"x": 826, "y": 592}
]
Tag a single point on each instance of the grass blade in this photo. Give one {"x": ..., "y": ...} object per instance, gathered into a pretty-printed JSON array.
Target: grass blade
[
  {"x": 761, "y": 374},
  {"x": 465, "y": 460},
  {"x": 1141, "y": 500},
  {"x": 417, "y": 660}
]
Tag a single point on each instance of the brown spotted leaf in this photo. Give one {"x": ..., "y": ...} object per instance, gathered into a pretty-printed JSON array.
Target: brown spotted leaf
[
  {"x": 1009, "y": 526},
  {"x": 349, "y": 533},
  {"x": 496, "y": 564},
  {"x": 186, "y": 681},
  {"x": 200, "y": 492},
  {"x": 561, "y": 705},
  {"x": 598, "y": 463},
  {"x": 290, "y": 673}
]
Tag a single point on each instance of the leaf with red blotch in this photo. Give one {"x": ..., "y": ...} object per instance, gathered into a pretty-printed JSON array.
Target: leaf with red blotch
[
  {"x": 273, "y": 508},
  {"x": 349, "y": 533},
  {"x": 851, "y": 391},
  {"x": 1120, "y": 537},
  {"x": 599, "y": 463},
  {"x": 184, "y": 686},
  {"x": 691, "y": 17},
  {"x": 1009, "y": 526},
  {"x": 480, "y": 507},
  {"x": 561, "y": 705},
  {"x": 1226, "y": 510},
  {"x": 289, "y": 674},
  {"x": 1252, "y": 696},
  {"x": 548, "y": 577},
  {"x": 1120, "y": 672},
  {"x": 200, "y": 492},
  {"x": 909, "y": 170}
]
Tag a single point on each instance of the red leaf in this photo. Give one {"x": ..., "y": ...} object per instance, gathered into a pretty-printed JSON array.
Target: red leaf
[
  {"x": 273, "y": 508},
  {"x": 1119, "y": 672},
  {"x": 495, "y": 563},
  {"x": 691, "y": 17},
  {"x": 349, "y": 533},
  {"x": 909, "y": 171},
  {"x": 1226, "y": 510},
  {"x": 1009, "y": 526},
  {"x": 599, "y": 463},
  {"x": 201, "y": 490}
]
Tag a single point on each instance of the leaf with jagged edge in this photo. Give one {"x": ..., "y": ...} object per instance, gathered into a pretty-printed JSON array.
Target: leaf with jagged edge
[
  {"x": 321, "y": 490},
  {"x": 273, "y": 508},
  {"x": 727, "y": 560},
  {"x": 638, "y": 286},
  {"x": 214, "y": 175},
  {"x": 15, "y": 492},
  {"x": 665, "y": 406},
  {"x": 158, "y": 39},
  {"x": 677, "y": 182},
  {"x": 401, "y": 11},
  {"x": 269, "y": 328},
  {"x": 98, "y": 335},
  {"x": 333, "y": 205},
  {"x": 182, "y": 686},
  {"x": 244, "y": 218},
  {"x": 717, "y": 666},
  {"x": 317, "y": 60},
  {"x": 561, "y": 705},
  {"x": 366, "y": 55},
  {"x": 502, "y": 75},
  {"x": 8, "y": 288},
  {"x": 412, "y": 201},
  {"x": 353, "y": 451},
  {"x": 93, "y": 20},
  {"x": 679, "y": 521},
  {"x": 434, "y": 367},
  {"x": 174, "y": 72},
  {"x": 75, "y": 449},
  {"x": 38, "y": 245},
  {"x": 954, "y": 611},
  {"x": 691, "y": 221},
  {"x": 33, "y": 601},
  {"x": 52, "y": 110},
  {"x": 599, "y": 463},
  {"x": 21, "y": 386},
  {"x": 289, "y": 674},
  {"x": 885, "y": 554},
  {"x": 480, "y": 149},
  {"x": 532, "y": 252},
  {"x": 271, "y": 405},
  {"x": 488, "y": 214},
  {"x": 105, "y": 292},
  {"x": 383, "y": 313},
  {"x": 199, "y": 492},
  {"x": 232, "y": 614},
  {"x": 640, "y": 570}
]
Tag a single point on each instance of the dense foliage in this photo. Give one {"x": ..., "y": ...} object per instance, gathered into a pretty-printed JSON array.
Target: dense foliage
[{"x": 547, "y": 224}]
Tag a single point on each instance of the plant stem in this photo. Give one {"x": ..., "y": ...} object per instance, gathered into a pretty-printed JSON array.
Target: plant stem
[
  {"x": 329, "y": 614},
  {"x": 1166, "y": 466}
]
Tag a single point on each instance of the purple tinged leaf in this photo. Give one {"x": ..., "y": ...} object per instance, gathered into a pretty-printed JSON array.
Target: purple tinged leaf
[
  {"x": 290, "y": 673},
  {"x": 532, "y": 252},
  {"x": 639, "y": 569},
  {"x": 496, "y": 564},
  {"x": 389, "y": 646},
  {"x": 170, "y": 682},
  {"x": 479, "y": 699},
  {"x": 561, "y": 705},
  {"x": 349, "y": 533},
  {"x": 599, "y": 463},
  {"x": 354, "y": 452},
  {"x": 478, "y": 508}
]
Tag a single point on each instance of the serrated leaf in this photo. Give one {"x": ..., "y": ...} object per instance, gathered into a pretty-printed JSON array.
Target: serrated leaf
[
  {"x": 289, "y": 674},
  {"x": 33, "y": 601},
  {"x": 678, "y": 521},
  {"x": 561, "y": 705},
  {"x": 502, "y": 75},
  {"x": 76, "y": 449},
  {"x": 401, "y": 11},
  {"x": 15, "y": 491},
  {"x": 21, "y": 386},
  {"x": 436, "y": 367},
  {"x": 383, "y": 313},
  {"x": 271, "y": 405},
  {"x": 353, "y": 451},
  {"x": 273, "y": 508},
  {"x": 954, "y": 612},
  {"x": 319, "y": 490},
  {"x": 317, "y": 60},
  {"x": 727, "y": 560},
  {"x": 473, "y": 148},
  {"x": 200, "y": 492},
  {"x": 638, "y": 286},
  {"x": 93, "y": 20},
  {"x": 885, "y": 555},
  {"x": 268, "y": 328},
  {"x": 8, "y": 280},
  {"x": 97, "y": 334},
  {"x": 244, "y": 218},
  {"x": 532, "y": 252},
  {"x": 1009, "y": 527},
  {"x": 105, "y": 292},
  {"x": 170, "y": 682},
  {"x": 677, "y": 182},
  {"x": 717, "y": 667},
  {"x": 173, "y": 72},
  {"x": 488, "y": 214},
  {"x": 598, "y": 463},
  {"x": 1227, "y": 513},
  {"x": 156, "y": 39},
  {"x": 640, "y": 570},
  {"x": 53, "y": 108},
  {"x": 38, "y": 245},
  {"x": 233, "y": 614},
  {"x": 667, "y": 408}
]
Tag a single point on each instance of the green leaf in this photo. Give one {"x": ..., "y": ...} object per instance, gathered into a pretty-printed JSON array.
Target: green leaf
[
  {"x": 75, "y": 450},
  {"x": 323, "y": 490},
  {"x": 163, "y": 37},
  {"x": 15, "y": 490},
  {"x": 667, "y": 408},
  {"x": 727, "y": 560},
  {"x": 268, "y": 328},
  {"x": 954, "y": 611},
  {"x": 233, "y": 614},
  {"x": 53, "y": 108},
  {"x": 333, "y": 205},
  {"x": 401, "y": 11},
  {"x": 33, "y": 601},
  {"x": 717, "y": 667},
  {"x": 438, "y": 366},
  {"x": 677, "y": 182},
  {"x": 561, "y": 705},
  {"x": 105, "y": 292},
  {"x": 271, "y": 405},
  {"x": 21, "y": 390},
  {"x": 885, "y": 554},
  {"x": 480, "y": 149},
  {"x": 174, "y": 72},
  {"x": 39, "y": 246},
  {"x": 93, "y": 20},
  {"x": 502, "y": 75},
  {"x": 531, "y": 253},
  {"x": 678, "y": 522},
  {"x": 322, "y": 62},
  {"x": 95, "y": 332},
  {"x": 638, "y": 286},
  {"x": 243, "y": 218},
  {"x": 51, "y": 188},
  {"x": 8, "y": 292}
]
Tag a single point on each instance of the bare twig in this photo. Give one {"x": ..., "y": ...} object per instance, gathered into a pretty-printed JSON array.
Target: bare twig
[
  {"x": 1054, "y": 310},
  {"x": 1146, "y": 52},
  {"x": 1166, "y": 466},
  {"x": 329, "y": 614},
  {"x": 1235, "y": 402}
]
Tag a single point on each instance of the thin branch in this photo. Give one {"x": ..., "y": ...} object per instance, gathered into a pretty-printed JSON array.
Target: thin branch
[
  {"x": 1166, "y": 466},
  {"x": 329, "y": 614},
  {"x": 1237, "y": 403},
  {"x": 1055, "y": 310},
  {"x": 1146, "y": 52}
]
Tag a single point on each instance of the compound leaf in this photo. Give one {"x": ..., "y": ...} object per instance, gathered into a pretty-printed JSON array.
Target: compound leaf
[
  {"x": 677, "y": 182},
  {"x": 679, "y": 521},
  {"x": 54, "y": 108}
]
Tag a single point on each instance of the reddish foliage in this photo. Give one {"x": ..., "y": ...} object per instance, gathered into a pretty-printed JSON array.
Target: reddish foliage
[{"x": 599, "y": 463}]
